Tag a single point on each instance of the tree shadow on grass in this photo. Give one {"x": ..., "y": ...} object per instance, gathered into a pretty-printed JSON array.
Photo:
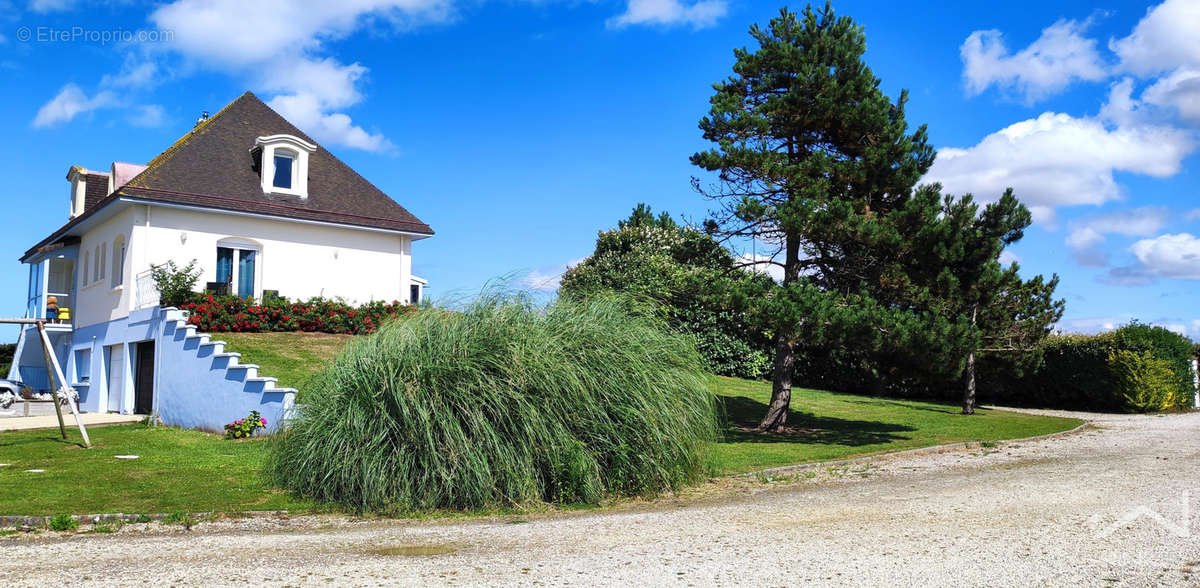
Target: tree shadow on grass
[
  {"x": 15, "y": 441},
  {"x": 914, "y": 405},
  {"x": 743, "y": 414}
]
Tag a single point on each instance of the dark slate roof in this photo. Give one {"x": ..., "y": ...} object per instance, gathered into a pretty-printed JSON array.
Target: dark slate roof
[
  {"x": 213, "y": 166},
  {"x": 95, "y": 190}
]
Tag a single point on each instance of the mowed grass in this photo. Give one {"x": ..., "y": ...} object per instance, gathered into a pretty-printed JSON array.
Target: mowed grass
[
  {"x": 194, "y": 471},
  {"x": 294, "y": 358},
  {"x": 176, "y": 470},
  {"x": 826, "y": 426}
]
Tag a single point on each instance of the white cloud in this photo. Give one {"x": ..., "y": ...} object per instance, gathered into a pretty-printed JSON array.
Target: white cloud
[
  {"x": 305, "y": 111},
  {"x": 771, "y": 269},
  {"x": 1180, "y": 91},
  {"x": 1090, "y": 324},
  {"x": 147, "y": 115},
  {"x": 1008, "y": 257},
  {"x": 69, "y": 103},
  {"x": 699, "y": 14},
  {"x": 44, "y": 6},
  {"x": 1057, "y": 58},
  {"x": 134, "y": 74},
  {"x": 1058, "y": 160},
  {"x": 1086, "y": 235},
  {"x": 548, "y": 279},
  {"x": 1193, "y": 214},
  {"x": 1169, "y": 256},
  {"x": 1166, "y": 38},
  {"x": 237, "y": 33}
]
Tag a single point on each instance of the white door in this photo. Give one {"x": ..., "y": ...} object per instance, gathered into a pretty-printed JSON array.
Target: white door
[{"x": 116, "y": 377}]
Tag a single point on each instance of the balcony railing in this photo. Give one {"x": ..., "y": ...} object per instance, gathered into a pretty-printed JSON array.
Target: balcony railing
[{"x": 147, "y": 291}]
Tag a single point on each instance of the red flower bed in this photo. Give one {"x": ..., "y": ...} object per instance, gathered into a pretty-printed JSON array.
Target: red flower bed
[{"x": 233, "y": 314}]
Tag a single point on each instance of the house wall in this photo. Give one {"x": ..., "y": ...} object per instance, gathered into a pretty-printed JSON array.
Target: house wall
[
  {"x": 98, "y": 301},
  {"x": 297, "y": 259}
]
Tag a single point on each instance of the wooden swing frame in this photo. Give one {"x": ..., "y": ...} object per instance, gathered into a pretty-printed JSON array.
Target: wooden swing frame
[{"x": 54, "y": 370}]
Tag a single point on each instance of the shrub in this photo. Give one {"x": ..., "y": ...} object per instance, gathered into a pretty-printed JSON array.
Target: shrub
[
  {"x": 175, "y": 284},
  {"x": 683, "y": 271},
  {"x": 1136, "y": 368},
  {"x": 502, "y": 404},
  {"x": 7, "y": 350},
  {"x": 243, "y": 428},
  {"x": 242, "y": 315}
]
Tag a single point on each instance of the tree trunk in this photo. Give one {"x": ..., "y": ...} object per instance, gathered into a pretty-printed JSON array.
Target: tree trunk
[
  {"x": 781, "y": 384},
  {"x": 969, "y": 393},
  {"x": 785, "y": 351}
]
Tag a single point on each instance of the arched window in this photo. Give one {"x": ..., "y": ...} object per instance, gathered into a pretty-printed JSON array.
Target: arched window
[
  {"x": 102, "y": 261},
  {"x": 96, "y": 267},
  {"x": 83, "y": 276},
  {"x": 118, "y": 262}
]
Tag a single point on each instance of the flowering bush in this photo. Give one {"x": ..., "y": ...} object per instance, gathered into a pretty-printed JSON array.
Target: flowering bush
[
  {"x": 242, "y": 315},
  {"x": 243, "y": 428}
]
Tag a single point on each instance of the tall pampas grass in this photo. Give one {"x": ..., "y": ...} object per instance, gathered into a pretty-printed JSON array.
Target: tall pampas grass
[{"x": 504, "y": 403}]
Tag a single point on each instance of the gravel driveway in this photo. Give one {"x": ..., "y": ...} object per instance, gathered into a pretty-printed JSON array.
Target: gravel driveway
[{"x": 1038, "y": 513}]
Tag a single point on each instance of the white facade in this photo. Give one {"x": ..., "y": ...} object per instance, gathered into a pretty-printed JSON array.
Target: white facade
[{"x": 298, "y": 259}]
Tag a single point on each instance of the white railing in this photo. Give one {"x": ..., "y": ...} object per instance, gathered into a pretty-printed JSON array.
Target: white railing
[{"x": 147, "y": 291}]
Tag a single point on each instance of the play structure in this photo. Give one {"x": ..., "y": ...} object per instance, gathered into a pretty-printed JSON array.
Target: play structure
[{"x": 62, "y": 391}]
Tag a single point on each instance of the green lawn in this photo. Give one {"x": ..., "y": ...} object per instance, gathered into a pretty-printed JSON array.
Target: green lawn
[
  {"x": 830, "y": 426},
  {"x": 176, "y": 470},
  {"x": 291, "y": 357},
  {"x": 194, "y": 471}
]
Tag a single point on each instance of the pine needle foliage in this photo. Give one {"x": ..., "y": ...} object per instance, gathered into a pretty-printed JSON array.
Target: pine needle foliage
[{"x": 503, "y": 404}]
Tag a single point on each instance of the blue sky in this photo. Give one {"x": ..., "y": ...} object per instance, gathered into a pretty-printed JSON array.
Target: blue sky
[{"x": 518, "y": 129}]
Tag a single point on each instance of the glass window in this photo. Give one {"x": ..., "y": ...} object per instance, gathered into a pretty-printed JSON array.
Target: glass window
[
  {"x": 224, "y": 265},
  {"x": 283, "y": 171},
  {"x": 83, "y": 277},
  {"x": 245, "y": 273},
  {"x": 83, "y": 365},
  {"x": 96, "y": 267}
]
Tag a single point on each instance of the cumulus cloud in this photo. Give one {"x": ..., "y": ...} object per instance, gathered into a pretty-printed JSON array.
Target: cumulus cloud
[
  {"x": 1008, "y": 257},
  {"x": 68, "y": 103},
  {"x": 1086, "y": 235},
  {"x": 1163, "y": 40},
  {"x": 1169, "y": 256},
  {"x": 1090, "y": 324},
  {"x": 1179, "y": 91},
  {"x": 700, "y": 14},
  {"x": 277, "y": 43},
  {"x": 1060, "y": 56},
  {"x": 1059, "y": 160}
]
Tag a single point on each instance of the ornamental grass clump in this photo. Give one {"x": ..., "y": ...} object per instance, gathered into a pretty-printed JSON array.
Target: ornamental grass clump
[{"x": 502, "y": 404}]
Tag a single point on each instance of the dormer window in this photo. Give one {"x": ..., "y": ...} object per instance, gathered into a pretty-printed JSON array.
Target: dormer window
[
  {"x": 283, "y": 170},
  {"x": 284, "y": 164}
]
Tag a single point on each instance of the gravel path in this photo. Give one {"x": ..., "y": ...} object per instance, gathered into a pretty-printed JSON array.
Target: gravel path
[{"x": 1038, "y": 513}]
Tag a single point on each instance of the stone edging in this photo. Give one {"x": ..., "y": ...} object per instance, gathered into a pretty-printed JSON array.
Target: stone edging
[
  {"x": 904, "y": 453},
  {"x": 14, "y": 521}
]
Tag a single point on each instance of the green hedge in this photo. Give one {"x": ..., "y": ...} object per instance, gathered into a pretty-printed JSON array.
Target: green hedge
[
  {"x": 1136, "y": 368},
  {"x": 7, "y": 350}
]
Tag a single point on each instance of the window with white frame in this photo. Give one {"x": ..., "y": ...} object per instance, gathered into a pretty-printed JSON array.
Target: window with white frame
[
  {"x": 96, "y": 266},
  {"x": 118, "y": 264},
  {"x": 283, "y": 164},
  {"x": 83, "y": 276},
  {"x": 239, "y": 265}
]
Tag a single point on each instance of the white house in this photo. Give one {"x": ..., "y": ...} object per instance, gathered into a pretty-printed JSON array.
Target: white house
[{"x": 261, "y": 207}]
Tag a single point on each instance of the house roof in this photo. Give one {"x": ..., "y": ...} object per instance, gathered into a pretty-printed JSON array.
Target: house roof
[
  {"x": 214, "y": 166},
  {"x": 95, "y": 190}
]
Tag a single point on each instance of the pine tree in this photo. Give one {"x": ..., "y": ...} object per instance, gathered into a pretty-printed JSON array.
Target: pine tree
[{"x": 813, "y": 160}]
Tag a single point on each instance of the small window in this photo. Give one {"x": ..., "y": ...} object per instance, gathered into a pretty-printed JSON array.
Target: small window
[
  {"x": 414, "y": 294},
  {"x": 83, "y": 365},
  {"x": 103, "y": 262},
  {"x": 83, "y": 277},
  {"x": 118, "y": 264},
  {"x": 283, "y": 171},
  {"x": 96, "y": 268}
]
